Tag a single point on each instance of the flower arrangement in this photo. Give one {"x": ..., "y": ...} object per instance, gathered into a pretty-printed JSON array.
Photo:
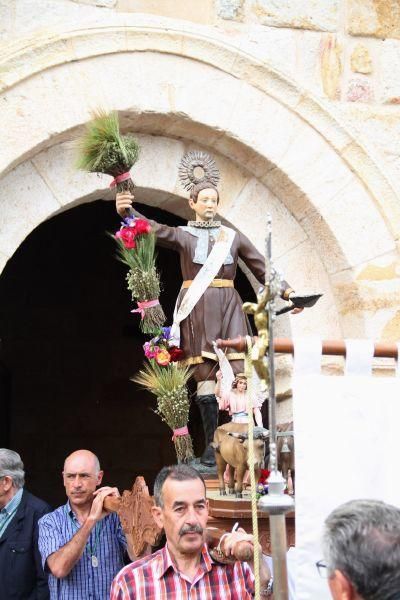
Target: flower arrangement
[
  {"x": 136, "y": 249},
  {"x": 102, "y": 149},
  {"x": 166, "y": 379}
]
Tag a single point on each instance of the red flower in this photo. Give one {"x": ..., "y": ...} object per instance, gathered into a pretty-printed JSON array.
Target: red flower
[
  {"x": 175, "y": 354},
  {"x": 127, "y": 236},
  {"x": 142, "y": 226},
  {"x": 264, "y": 476}
]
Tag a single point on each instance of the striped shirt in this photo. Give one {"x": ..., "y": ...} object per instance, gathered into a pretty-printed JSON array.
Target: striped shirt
[
  {"x": 156, "y": 577},
  {"x": 85, "y": 581},
  {"x": 8, "y": 512}
]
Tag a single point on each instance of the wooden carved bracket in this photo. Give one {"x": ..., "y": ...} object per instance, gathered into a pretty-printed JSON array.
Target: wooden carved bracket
[{"x": 134, "y": 511}]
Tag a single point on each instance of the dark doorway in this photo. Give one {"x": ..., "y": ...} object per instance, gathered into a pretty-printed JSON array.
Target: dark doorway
[{"x": 69, "y": 347}]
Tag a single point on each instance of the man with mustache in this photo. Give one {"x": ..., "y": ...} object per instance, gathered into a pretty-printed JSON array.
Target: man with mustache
[
  {"x": 82, "y": 546},
  {"x": 184, "y": 567}
]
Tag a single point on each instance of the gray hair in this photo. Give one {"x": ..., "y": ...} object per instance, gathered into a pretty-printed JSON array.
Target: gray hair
[
  {"x": 180, "y": 472},
  {"x": 12, "y": 466},
  {"x": 362, "y": 540}
]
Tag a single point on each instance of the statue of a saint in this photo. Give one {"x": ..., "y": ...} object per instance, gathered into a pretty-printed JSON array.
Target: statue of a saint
[{"x": 208, "y": 306}]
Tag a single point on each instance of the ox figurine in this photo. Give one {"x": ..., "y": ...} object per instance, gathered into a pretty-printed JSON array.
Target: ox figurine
[{"x": 231, "y": 448}]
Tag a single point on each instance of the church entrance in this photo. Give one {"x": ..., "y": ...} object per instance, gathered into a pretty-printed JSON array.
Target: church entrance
[{"x": 69, "y": 347}]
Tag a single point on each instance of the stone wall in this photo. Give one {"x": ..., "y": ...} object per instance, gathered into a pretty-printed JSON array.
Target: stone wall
[{"x": 297, "y": 99}]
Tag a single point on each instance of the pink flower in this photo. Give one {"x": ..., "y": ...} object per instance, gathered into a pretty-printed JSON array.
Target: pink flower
[
  {"x": 127, "y": 236},
  {"x": 150, "y": 351},
  {"x": 142, "y": 226}
]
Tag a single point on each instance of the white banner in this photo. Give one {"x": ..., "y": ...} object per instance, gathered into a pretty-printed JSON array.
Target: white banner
[{"x": 347, "y": 446}]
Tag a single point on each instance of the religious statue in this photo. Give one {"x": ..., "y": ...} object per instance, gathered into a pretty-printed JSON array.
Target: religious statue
[
  {"x": 208, "y": 306},
  {"x": 235, "y": 400}
]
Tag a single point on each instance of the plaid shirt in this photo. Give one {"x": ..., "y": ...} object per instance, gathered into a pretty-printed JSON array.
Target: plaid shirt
[
  {"x": 84, "y": 582},
  {"x": 155, "y": 577}
]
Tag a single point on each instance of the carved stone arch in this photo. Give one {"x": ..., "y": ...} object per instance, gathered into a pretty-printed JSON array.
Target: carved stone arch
[{"x": 271, "y": 137}]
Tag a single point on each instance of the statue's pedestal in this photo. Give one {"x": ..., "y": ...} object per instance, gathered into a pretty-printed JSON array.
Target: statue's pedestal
[{"x": 225, "y": 511}]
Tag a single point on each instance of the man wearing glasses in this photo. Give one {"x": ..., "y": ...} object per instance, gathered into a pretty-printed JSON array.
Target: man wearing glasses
[
  {"x": 21, "y": 573},
  {"x": 362, "y": 551}
]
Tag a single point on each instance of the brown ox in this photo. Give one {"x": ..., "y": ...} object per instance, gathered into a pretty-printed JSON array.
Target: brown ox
[{"x": 231, "y": 448}]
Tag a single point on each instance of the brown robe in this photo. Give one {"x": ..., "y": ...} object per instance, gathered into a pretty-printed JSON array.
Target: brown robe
[{"x": 218, "y": 313}]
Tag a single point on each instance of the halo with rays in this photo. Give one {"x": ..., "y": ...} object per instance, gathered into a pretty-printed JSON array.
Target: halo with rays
[{"x": 197, "y": 167}]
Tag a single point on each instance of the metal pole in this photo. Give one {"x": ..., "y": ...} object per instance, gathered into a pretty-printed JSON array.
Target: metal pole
[{"x": 276, "y": 503}]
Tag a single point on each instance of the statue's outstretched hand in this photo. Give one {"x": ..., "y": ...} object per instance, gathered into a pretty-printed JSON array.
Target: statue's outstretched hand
[{"x": 123, "y": 202}]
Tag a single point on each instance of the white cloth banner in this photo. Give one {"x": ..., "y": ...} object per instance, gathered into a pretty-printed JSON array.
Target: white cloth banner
[{"x": 347, "y": 444}]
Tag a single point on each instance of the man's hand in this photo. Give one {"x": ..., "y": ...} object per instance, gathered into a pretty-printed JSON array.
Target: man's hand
[
  {"x": 219, "y": 375},
  {"x": 97, "y": 512},
  {"x": 232, "y": 539},
  {"x": 123, "y": 202}
]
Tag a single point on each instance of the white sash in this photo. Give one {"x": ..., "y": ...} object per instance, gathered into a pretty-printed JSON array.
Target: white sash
[{"x": 202, "y": 280}]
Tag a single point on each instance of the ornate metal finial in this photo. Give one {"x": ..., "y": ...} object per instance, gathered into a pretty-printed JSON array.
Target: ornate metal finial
[{"x": 197, "y": 167}]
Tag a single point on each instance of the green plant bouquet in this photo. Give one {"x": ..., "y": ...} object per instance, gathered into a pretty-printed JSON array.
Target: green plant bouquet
[
  {"x": 104, "y": 150},
  {"x": 136, "y": 249},
  {"x": 166, "y": 379}
]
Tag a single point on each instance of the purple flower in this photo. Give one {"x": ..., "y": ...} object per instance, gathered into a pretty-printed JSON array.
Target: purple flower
[
  {"x": 128, "y": 221},
  {"x": 166, "y": 332}
]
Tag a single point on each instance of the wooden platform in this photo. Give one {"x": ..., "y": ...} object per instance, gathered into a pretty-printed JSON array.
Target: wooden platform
[{"x": 225, "y": 511}]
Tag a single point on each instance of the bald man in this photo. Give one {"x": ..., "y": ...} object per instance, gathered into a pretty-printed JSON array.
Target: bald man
[{"x": 82, "y": 547}]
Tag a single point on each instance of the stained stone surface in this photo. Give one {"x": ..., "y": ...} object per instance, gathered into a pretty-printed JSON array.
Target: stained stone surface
[
  {"x": 300, "y": 14},
  {"x": 375, "y": 18},
  {"x": 230, "y": 9},
  {"x": 360, "y": 59}
]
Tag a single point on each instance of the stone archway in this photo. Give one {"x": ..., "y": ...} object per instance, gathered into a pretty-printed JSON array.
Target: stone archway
[{"x": 258, "y": 123}]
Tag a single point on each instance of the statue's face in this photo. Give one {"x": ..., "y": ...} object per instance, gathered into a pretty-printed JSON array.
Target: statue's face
[{"x": 206, "y": 205}]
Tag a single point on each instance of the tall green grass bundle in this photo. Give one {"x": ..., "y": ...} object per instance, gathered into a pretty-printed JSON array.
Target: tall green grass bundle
[
  {"x": 102, "y": 149},
  {"x": 143, "y": 280},
  {"x": 168, "y": 384}
]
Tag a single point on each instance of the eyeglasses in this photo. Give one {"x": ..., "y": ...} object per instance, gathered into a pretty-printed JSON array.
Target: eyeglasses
[{"x": 322, "y": 568}]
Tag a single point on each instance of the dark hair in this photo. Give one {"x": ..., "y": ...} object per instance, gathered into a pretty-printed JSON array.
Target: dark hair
[
  {"x": 237, "y": 379},
  {"x": 178, "y": 473},
  {"x": 362, "y": 540},
  {"x": 204, "y": 185}
]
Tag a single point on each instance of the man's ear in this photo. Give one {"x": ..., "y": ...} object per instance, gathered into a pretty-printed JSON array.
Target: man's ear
[
  {"x": 156, "y": 511},
  {"x": 192, "y": 203},
  {"x": 340, "y": 587},
  {"x": 99, "y": 477}
]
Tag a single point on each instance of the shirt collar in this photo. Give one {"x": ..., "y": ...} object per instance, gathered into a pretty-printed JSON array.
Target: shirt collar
[
  {"x": 15, "y": 501},
  {"x": 166, "y": 562}
]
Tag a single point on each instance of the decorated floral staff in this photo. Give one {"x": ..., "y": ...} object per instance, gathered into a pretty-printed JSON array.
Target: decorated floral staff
[
  {"x": 104, "y": 150},
  {"x": 208, "y": 306},
  {"x": 164, "y": 377}
]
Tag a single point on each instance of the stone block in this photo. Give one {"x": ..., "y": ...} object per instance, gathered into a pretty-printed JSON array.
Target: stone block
[
  {"x": 256, "y": 199},
  {"x": 190, "y": 10},
  {"x": 390, "y": 68},
  {"x": 3, "y": 261},
  {"x": 360, "y": 60},
  {"x": 230, "y": 9},
  {"x": 347, "y": 239},
  {"x": 375, "y": 18},
  {"x": 56, "y": 166},
  {"x": 320, "y": 15},
  {"x": 100, "y": 3},
  {"x": 20, "y": 213},
  {"x": 331, "y": 66},
  {"x": 278, "y": 47},
  {"x": 359, "y": 90}
]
